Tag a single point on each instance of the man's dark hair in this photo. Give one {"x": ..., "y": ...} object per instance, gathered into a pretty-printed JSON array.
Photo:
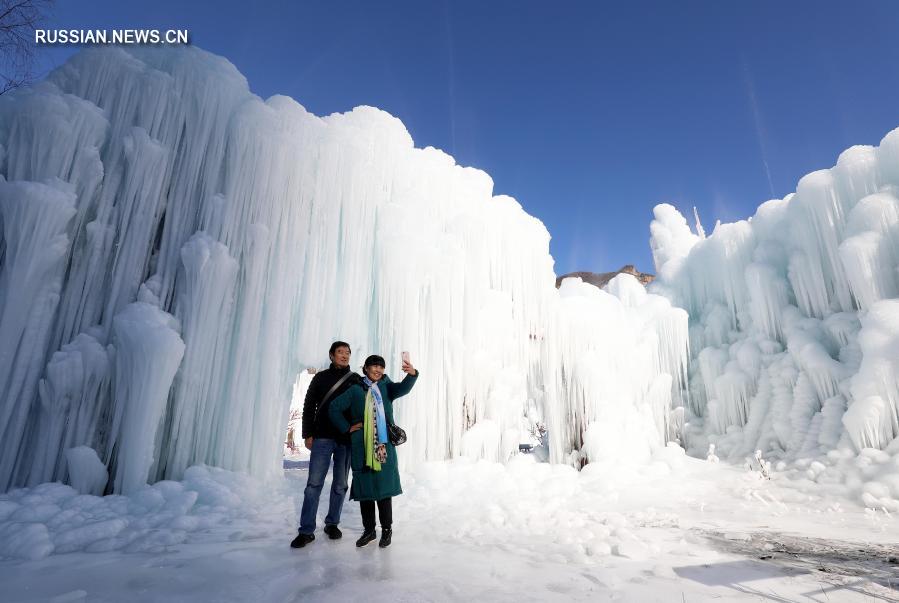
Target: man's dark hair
[
  {"x": 374, "y": 360},
  {"x": 339, "y": 344}
]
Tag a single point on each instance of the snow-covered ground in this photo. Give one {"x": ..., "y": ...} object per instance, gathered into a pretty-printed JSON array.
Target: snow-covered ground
[{"x": 675, "y": 529}]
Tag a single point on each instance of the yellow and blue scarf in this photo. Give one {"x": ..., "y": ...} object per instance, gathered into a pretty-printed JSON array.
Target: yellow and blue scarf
[{"x": 374, "y": 427}]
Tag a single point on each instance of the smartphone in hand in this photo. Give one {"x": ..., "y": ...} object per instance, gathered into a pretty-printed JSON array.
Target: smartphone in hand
[{"x": 406, "y": 358}]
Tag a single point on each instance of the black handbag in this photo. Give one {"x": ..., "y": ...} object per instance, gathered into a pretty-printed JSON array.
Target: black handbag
[{"x": 396, "y": 434}]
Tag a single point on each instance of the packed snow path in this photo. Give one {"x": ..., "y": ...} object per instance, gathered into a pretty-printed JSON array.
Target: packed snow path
[{"x": 469, "y": 530}]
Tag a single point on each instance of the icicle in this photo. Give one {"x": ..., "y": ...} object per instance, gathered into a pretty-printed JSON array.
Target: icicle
[
  {"x": 34, "y": 218},
  {"x": 700, "y": 231},
  {"x": 148, "y": 352},
  {"x": 872, "y": 419},
  {"x": 768, "y": 297},
  {"x": 72, "y": 396},
  {"x": 870, "y": 253},
  {"x": 205, "y": 299}
]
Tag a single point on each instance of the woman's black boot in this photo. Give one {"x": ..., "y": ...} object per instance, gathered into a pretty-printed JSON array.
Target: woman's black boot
[
  {"x": 367, "y": 536},
  {"x": 385, "y": 537}
]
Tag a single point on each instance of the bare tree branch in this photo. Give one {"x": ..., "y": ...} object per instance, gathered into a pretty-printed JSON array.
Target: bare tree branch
[
  {"x": 18, "y": 21},
  {"x": 22, "y": 6}
]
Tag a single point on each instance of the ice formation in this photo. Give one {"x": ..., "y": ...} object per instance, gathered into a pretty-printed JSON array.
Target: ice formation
[
  {"x": 794, "y": 321},
  {"x": 175, "y": 251},
  {"x": 55, "y": 518}
]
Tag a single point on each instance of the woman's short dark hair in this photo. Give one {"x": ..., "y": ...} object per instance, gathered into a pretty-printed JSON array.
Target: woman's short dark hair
[
  {"x": 339, "y": 344},
  {"x": 374, "y": 360}
]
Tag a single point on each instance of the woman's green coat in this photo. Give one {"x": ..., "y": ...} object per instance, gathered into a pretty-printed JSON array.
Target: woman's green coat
[{"x": 348, "y": 409}]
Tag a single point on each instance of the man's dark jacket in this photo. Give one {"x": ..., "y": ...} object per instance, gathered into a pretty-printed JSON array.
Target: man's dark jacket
[{"x": 319, "y": 425}]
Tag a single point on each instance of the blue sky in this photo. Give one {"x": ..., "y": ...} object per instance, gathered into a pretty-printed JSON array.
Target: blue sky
[{"x": 589, "y": 113}]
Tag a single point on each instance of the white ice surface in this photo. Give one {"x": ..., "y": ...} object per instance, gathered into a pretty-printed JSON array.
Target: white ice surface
[{"x": 465, "y": 529}]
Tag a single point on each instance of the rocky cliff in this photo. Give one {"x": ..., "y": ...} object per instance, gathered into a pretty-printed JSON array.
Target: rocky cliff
[{"x": 600, "y": 279}]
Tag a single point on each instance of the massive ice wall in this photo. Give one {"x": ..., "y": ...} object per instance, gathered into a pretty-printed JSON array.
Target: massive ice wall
[
  {"x": 794, "y": 321},
  {"x": 175, "y": 250}
]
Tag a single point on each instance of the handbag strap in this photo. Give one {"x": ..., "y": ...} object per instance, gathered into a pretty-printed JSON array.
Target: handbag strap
[{"x": 331, "y": 391}]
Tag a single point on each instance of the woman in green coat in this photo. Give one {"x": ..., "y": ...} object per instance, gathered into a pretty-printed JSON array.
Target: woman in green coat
[{"x": 364, "y": 411}]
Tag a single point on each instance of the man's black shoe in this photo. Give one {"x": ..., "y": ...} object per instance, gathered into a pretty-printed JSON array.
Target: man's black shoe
[
  {"x": 333, "y": 532},
  {"x": 302, "y": 540},
  {"x": 385, "y": 538},
  {"x": 366, "y": 537}
]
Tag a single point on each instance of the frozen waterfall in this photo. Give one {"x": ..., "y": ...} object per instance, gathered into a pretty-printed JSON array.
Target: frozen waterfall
[
  {"x": 176, "y": 250},
  {"x": 794, "y": 322}
]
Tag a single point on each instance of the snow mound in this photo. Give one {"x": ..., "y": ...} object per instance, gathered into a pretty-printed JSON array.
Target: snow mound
[{"x": 55, "y": 518}]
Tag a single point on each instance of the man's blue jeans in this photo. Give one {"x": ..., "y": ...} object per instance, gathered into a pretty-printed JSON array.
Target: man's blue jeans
[{"x": 319, "y": 461}]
